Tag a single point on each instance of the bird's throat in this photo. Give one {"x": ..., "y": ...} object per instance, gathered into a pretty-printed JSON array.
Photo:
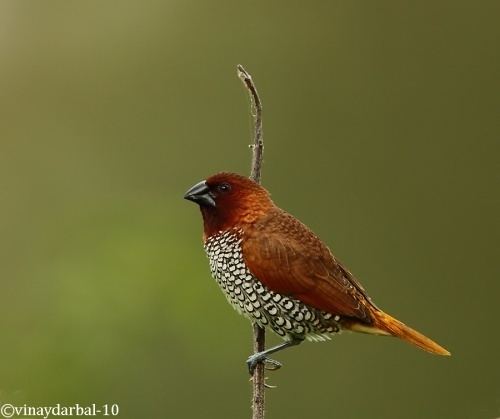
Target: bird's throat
[{"x": 216, "y": 220}]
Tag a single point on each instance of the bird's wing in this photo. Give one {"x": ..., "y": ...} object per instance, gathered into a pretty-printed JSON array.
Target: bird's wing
[{"x": 291, "y": 260}]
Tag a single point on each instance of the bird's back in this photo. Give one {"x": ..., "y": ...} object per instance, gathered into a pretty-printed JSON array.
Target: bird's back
[{"x": 289, "y": 258}]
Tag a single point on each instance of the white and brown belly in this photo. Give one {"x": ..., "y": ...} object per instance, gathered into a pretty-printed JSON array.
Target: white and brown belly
[{"x": 286, "y": 316}]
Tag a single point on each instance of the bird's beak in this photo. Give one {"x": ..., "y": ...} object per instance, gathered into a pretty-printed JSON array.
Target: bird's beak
[{"x": 200, "y": 193}]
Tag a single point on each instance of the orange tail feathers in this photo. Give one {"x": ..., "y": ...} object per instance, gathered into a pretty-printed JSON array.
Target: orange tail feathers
[{"x": 394, "y": 327}]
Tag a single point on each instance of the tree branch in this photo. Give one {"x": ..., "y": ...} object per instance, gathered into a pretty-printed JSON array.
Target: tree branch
[{"x": 259, "y": 334}]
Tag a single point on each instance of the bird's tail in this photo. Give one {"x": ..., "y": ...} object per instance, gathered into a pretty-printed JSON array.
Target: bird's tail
[
  {"x": 396, "y": 328},
  {"x": 388, "y": 325}
]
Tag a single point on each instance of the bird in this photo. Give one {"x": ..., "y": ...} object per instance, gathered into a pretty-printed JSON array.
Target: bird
[{"x": 276, "y": 272}]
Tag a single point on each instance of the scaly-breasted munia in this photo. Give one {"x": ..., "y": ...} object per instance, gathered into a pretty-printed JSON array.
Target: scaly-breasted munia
[{"x": 278, "y": 273}]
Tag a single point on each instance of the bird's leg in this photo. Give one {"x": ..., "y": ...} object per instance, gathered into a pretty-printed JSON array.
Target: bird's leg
[{"x": 269, "y": 363}]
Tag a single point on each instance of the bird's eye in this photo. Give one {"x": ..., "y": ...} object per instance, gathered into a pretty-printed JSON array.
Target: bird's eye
[{"x": 224, "y": 187}]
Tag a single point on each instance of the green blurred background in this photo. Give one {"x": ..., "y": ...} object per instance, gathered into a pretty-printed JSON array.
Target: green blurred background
[{"x": 382, "y": 133}]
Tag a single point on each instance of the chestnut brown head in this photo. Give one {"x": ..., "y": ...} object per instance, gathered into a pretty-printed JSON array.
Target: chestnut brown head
[{"x": 229, "y": 200}]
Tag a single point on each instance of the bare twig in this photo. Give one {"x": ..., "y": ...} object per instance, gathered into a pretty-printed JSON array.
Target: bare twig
[
  {"x": 258, "y": 143},
  {"x": 259, "y": 334},
  {"x": 258, "y": 379}
]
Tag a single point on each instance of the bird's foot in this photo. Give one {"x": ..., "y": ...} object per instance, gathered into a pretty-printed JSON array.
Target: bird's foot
[{"x": 269, "y": 364}]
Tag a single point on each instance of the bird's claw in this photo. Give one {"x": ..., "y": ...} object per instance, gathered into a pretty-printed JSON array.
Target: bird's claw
[
  {"x": 265, "y": 384},
  {"x": 269, "y": 364},
  {"x": 269, "y": 385},
  {"x": 272, "y": 364}
]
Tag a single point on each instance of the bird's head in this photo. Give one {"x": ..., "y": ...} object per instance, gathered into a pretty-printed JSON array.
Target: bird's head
[{"x": 229, "y": 200}]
